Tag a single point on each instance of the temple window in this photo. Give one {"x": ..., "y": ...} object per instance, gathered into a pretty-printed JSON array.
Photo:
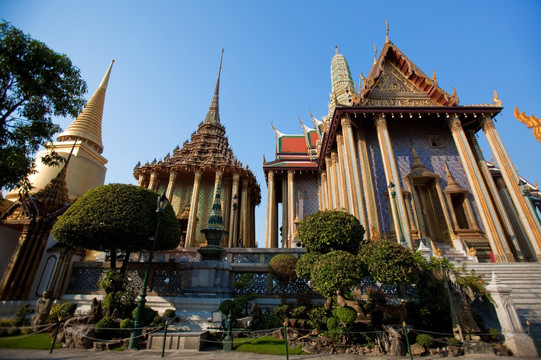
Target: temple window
[{"x": 436, "y": 141}]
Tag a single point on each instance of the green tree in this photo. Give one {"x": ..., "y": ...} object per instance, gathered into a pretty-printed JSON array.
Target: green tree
[
  {"x": 36, "y": 84},
  {"x": 117, "y": 217},
  {"x": 330, "y": 230},
  {"x": 337, "y": 271}
]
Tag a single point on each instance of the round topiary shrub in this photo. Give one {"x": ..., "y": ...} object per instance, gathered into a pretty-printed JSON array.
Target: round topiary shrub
[
  {"x": 229, "y": 306},
  {"x": 126, "y": 324},
  {"x": 147, "y": 315},
  {"x": 337, "y": 270},
  {"x": 306, "y": 263},
  {"x": 345, "y": 315},
  {"x": 425, "y": 340},
  {"x": 105, "y": 328},
  {"x": 282, "y": 311},
  {"x": 282, "y": 268}
]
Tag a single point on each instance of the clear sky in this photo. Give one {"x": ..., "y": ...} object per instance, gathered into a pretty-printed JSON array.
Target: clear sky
[{"x": 277, "y": 65}]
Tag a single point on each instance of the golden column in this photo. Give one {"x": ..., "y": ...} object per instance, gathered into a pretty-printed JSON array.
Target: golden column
[
  {"x": 285, "y": 217},
  {"x": 217, "y": 180},
  {"x": 233, "y": 228},
  {"x": 244, "y": 213},
  {"x": 194, "y": 206},
  {"x": 324, "y": 205},
  {"x": 355, "y": 180},
  {"x": 336, "y": 181},
  {"x": 291, "y": 206},
  {"x": 331, "y": 196},
  {"x": 511, "y": 179},
  {"x": 142, "y": 179},
  {"x": 392, "y": 176},
  {"x": 153, "y": 183},
  {"x": 498, "y": 203},
  {"x": 271, "y": 240},
  {"x": 171, "y": 185},
  {"x": 487, "y": 212},
  {"x": 368, "y": 187},
  {"x": 345, "y": 185}
]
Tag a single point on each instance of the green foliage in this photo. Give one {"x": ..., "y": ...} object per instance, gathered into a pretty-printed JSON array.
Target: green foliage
[
  {"x": 244, "y": 280},
  {"x": 335, "y": 330},
  {"x": 147, "y": 315},
  {"x": 157, "y": 321},
  {"x": 61, "y": 312},
  {"x": 317, "y": 317},
  {"x": 389, "y": 262},
  {"x": 299, "y": 311},
  {"x": 117, "y": 216},
  {"x": 230, "y": 306},
  {"x": 119, "y": 295},
  {"x": 452, "y": 341},
  {"x": 345, "y": 315},
  {"x": 126, "y": 324},
  {"x": 170, "y": 315},
  {"x": 35, "y": 342},
  {"x": 105, "y": 328},
  {"x": 36, "y": 84},
  {"x": 282, "y": 268},
  {"x": 269, "y": 321},
  {"x": 21, "y": 315},
  {"x": 329, "y": 230},
  {"x": 305, "y": 263},
  {"x": 337, "y": 270},
  {"x": 283, "y": 311},
  {"x": 425, "y": 340},
  {"x": 494, "y": 334}
]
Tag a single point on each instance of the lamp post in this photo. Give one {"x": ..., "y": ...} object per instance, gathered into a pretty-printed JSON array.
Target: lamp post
[
  {"x": 136, "y": 332},
  {"x": 393, "y": 195},
  {"x": 235, "y": 206}
]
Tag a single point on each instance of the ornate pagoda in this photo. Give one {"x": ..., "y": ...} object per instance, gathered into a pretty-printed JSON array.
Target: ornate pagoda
[
  {"x": 401, "y": 155},
  {"x": 192, "y": 175}
]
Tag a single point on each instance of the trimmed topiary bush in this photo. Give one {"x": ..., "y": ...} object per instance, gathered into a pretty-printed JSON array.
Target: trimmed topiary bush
[
  {"x": 105, "y": 328},
  {"x": 425, "y": 340},
  {"x": 345, "y": 315},
  {"x": 282, "y": 268},
  {"x": 126, "y": 324},
  {"x": 61, "y": 312},
  {"x": 337, "y": 270},
  {"x": 147, "y": 315}
]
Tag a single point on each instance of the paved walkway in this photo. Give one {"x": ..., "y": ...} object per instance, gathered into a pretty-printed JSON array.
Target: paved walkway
[{"x": 72, "y": 354}]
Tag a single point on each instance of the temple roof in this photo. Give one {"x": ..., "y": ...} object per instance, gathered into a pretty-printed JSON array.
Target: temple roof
[{"x": 87, "y": 125}]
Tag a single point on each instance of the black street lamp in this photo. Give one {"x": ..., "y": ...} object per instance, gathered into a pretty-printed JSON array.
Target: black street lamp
[
  {"x": 136, "y": 332},
  {"x": 393, "y": 195}
]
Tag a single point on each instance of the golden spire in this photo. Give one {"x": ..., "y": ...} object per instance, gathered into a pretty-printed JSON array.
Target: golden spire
[
  {"x": 213, "y": 115},
  {"x": 87, "y": 125},
  {"x": 387, "y": 33},
  {"x": 496, "y": 100},
  {"x": 375, "y": 54}
]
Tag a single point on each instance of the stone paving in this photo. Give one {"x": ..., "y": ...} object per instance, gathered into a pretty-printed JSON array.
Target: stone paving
[{"x": 73, "y": 354}]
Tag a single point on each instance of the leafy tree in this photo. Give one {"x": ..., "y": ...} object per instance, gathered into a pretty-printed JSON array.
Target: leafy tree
[
  {"x": 389, "y": 262},
  {"x": 329, "y": 230},
  {"x": 117, "y": 217},
  {"x": 282, "y": 268},
  {"x": 36, "y": 84}
]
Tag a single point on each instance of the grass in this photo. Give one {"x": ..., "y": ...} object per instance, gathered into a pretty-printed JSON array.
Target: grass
[
  {"x": 265, "y": 345},
  {"x": 36, "y": 342}
]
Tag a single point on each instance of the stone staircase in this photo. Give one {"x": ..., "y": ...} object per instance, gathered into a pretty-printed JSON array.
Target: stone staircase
[
  {"x": 525, "y": 282},
  {"x": 455, "y": 256}
]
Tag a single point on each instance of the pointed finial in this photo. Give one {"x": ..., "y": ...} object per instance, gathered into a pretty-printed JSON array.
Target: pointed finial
[
  {"x": 336, "y": 49},
  {"x": 300, "y": 122},
  {"x": 387, "y": 33},
  {"x": 375, "y": 54},
  {"x": 496, "y": 100},
  {"x": 434, "y": 78},
  {"x": 312, "y": 116},
  {"x": 264, "y": 159},
  {"x": 273, "y": 128}
]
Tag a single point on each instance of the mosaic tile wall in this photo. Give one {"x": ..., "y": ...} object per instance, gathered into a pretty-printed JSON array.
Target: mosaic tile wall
[
  {"x": 206, "y": 193},
  {"x": 306, "y": 194}
]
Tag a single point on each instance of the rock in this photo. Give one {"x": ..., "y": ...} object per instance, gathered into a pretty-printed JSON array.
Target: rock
[
  {"x": 417, "y": 350},
  {"x": 477, "y": 347},
  {"x": 78, "y": 336},
  {"x": 455, "y": 350}
]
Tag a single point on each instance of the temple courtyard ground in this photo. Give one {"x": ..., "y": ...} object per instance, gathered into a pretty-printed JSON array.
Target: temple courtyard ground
[{"x": 73, "y": 354}]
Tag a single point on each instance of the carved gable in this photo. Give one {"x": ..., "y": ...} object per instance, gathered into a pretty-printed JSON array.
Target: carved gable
[{"x": 394, "y": 89}]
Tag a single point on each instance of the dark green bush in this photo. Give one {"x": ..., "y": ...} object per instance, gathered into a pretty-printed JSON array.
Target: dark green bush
[
  {"x": 269, "y": 321},
  {"x": 317, "y": 317},
  {"x": 494, "y": 334},
  {"x": 299, "y": 311},
  {"x": 21, "y": 314},
  {"x": 306, "y": 263},
  {"x": 282, "y": 268},
  {"x": 147, "y": 315},
  {"x": 345, "y": 315},
  {"x": 61, "y": 312},
  {"x": 229, "y": 306},
  {"x": 105, "y": 328},
  {"x": 282, "y": 311},
  {"x": 126, "y": 324},
  {"x": 425, "y": 340},
  {"x": 337, "y": 270},
  {"x": 169, "y": 314}
]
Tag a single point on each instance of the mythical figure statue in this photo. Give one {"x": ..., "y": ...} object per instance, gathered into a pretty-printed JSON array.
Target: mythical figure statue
[{"x": 43, "y": 307}]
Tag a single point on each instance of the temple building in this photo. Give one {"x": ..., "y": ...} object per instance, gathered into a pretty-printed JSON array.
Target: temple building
[
  {"x": 401, "y": 155},
  {"x": 32, "y": 261},
  {"x": 191, "y": 176}
]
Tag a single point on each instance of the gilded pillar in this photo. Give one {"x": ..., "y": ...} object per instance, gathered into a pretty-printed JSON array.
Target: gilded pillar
[
  {"x": 244, "y": 214},
  {"x": 487, "y": 212},
  {"x": 368, "y": 187},
  {"x": 331, "y": 196},
  {"x": 194, "y": 206},
  {"x": 345, "y": 185},
  {"x": 291, "y": 206},
  {"x": 324, "y": 204},
  {"x": 171, "y": 185},
  {"x": 142, "y": 179},
  {"x": 285, "y": 211},
  {"x": 153, "y": 183},
  {"x": 511, "y": 179},
  {"x": 271, "y": 238},
  {"x": 354, "y": 174},
  {"x": 336, "y": 181},
  {"x": 217, "y": 180},
  {"x": 392, "y": 175},
  {"x": 235, "y": 213}
]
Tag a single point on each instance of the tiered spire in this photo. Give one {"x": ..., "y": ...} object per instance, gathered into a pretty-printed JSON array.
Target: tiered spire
[
  {"x": 213, "y": 115},
  {"x": 87, "y": 125}
]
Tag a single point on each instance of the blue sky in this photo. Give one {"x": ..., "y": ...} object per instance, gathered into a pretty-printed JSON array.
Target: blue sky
[{"x": 277, "y": 65}]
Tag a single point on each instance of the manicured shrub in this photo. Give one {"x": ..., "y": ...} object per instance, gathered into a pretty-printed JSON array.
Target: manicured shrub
[
  {"x": 425, "y": 340},
  {"x": 21, "y": 314},
  {"x": 126, "y": 324},
  {"x": 299, "y": 311},
  {"x": 282, "y": 268},
  {"x": 61, "y": 312},
  {"x": 105, "y": 328},
  {"x": 282, "y": 311},
  {"x": 229, "y": 306},
  {"x": 317, "y": 317},
  {"x": 337, "y": 270},
  {"x": 345, "y": 315},
  {"x": 147, "y": 315},
  {"x": 269, "y": 321}
]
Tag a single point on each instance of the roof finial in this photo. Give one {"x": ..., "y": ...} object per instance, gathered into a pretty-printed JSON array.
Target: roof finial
[
  {"x": 375, "y": 54},
  {"x": 496, "y": 100},
  {"x": 387, "y": 33},
  {"x": 213, "y": 115},
  {"x": 336, "y": 49}
]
